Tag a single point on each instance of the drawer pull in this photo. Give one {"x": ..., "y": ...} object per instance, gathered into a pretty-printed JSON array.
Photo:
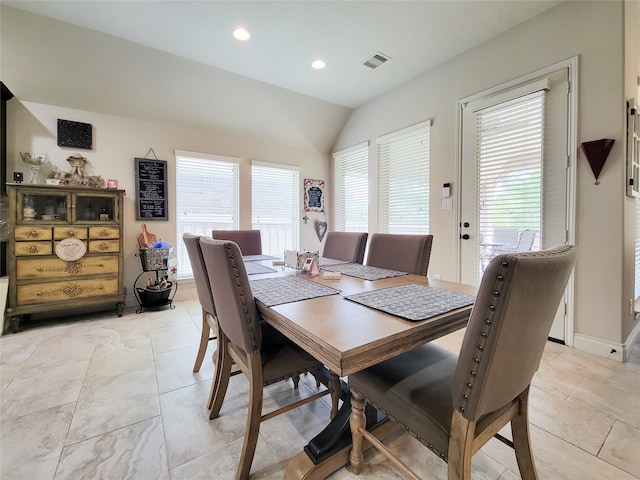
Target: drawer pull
[
  {"x": 103, "y": 246},
  {"x": 104, "y": 233},
  {"x": 33, "y": 249},
  {"x": 39, "y": 269},
  {"x": 71, "y": 233},
  {"x": 33, "y": 234},
  {"x": 39, "y": 294}
]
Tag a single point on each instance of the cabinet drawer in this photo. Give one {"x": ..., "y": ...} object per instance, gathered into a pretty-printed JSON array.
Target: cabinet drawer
[
  {"x": 68, "y": 290},
  {"x": 104, "y": 246},
  {"x": 33, "y": 233},
  {"x": 104, "y": 232},
  {"x": 60, "y": 233},
  {"x": 33, "y": 248},
  {"x": 55, "y": 267}
]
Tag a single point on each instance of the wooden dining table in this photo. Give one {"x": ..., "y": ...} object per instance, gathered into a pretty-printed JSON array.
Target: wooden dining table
[{"x": 348, "y": 337}]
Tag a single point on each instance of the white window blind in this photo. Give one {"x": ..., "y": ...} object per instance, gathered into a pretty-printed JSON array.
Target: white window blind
[
  {"x": 275, "y": 206},
  {"x": 403, "y": 180},
  {"x": 207, "y": 199},
  {"x": 509, "y": 150},
  {"x": 351, "y": 176}
]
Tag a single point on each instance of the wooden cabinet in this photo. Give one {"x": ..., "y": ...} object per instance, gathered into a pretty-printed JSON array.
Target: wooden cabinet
[{"x": 65, "y": 250}]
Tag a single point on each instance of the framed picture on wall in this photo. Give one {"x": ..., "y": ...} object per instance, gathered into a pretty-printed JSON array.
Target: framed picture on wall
[
  {"x": 75, "y": 134},
  {"x": 313, "y": 195}
]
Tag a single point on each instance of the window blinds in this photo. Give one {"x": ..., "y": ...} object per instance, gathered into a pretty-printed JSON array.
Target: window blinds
[
  {"x": 207, "y": 198},
  {"x": 403, "y": 181},
  {"x": 275, "y": 206},
  {"x": 351, "y": 175},
  {"x": 509, "y": 150}
]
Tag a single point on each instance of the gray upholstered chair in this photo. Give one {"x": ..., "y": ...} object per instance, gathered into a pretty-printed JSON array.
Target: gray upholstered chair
[
  {"x": 249, "y": 241},
  {"x": 209, "y": 323},
  {"x": 347, "y": 246},
  {"x": 405, "y": 253},
  {"x": 262, "y": 353},
  {"x": 454, "y": 403}
]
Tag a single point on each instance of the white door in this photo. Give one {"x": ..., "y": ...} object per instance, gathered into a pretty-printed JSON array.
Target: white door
[{"x": 514, "y": 175}]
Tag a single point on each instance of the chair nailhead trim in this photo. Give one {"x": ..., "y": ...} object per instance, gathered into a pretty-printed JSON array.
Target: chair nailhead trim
[
  {"x": 241, "y": 293},
  {"x": 484, "y": 333}
]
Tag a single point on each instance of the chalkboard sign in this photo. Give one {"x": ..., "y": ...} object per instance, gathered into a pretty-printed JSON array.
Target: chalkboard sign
[
  {"x": 151, "y": 189},
  {"x": 313, "y": 195}
]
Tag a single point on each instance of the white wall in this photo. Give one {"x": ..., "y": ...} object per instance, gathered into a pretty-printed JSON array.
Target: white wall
[
  {"x": 594, "y": 32},
  {"x": 32, "y": 127}
]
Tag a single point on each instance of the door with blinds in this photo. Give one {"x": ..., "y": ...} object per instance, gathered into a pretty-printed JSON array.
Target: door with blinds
[{"x": 514, "y": 175}]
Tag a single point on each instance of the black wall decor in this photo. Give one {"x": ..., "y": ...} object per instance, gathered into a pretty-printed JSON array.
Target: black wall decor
[
  {"x": 151, "y": 189},
  {"x": 74, "y": 134}
]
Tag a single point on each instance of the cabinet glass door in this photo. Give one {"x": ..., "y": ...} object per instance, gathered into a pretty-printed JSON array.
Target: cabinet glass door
[
  {"x": 42, "y": 206},
  {"x": 94, "y": 207}
]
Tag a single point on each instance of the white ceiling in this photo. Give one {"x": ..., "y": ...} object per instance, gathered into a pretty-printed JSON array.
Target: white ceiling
[{"x": 286, "y": 36}]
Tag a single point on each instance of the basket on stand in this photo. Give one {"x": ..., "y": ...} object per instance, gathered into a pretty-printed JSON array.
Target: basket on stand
[
  {"x": 154, "y": 258},
  {"x": 150, "y": 297}
]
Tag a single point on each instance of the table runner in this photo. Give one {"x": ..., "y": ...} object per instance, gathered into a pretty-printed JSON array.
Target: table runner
[
  {"x": 257, "y": 258},
  {"x": 413, "y": 302},
  {"x": 254, "y": 268},
  {"x": 279, "y": 290},
  {"x": 364, "y": 271}
]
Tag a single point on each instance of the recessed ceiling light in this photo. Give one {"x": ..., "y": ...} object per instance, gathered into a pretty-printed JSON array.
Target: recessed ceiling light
[
  {"x": 318, "y": 64},
  {"x": 241, "y": 34}
]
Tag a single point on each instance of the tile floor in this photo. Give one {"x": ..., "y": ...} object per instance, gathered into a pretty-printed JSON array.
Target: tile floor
[{"x": 112, "y": 398}]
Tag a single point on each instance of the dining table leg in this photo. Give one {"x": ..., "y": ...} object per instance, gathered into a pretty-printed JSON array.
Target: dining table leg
[{"x": 329, "y": 451}]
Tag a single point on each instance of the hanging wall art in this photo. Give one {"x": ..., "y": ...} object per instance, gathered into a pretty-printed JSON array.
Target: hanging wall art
[{"x": 313, "y": 195}]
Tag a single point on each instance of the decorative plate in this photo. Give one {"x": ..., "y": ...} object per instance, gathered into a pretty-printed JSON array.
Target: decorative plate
[{"x": 71, "y": 249}]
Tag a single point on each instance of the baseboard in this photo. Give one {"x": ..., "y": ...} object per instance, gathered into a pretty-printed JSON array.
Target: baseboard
[{"x": 603, "y": 348}]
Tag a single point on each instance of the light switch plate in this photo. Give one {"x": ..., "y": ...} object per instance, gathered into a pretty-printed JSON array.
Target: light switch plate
[{"x": 447, "y": 203}]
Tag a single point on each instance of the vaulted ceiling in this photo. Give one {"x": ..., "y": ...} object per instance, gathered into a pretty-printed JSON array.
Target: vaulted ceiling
[{"x": 178, "y": 60}]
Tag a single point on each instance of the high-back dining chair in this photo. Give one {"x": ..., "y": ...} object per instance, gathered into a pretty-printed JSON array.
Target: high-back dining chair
[
  {"x": 249, "y": 241},
  {"x": 209, "y": 323},
  {"x": 263, "y": 354},
  {"x": 454, "y": 404},
  {"x": 405, "y": 253},
  {"x": 347, "y": 246}
]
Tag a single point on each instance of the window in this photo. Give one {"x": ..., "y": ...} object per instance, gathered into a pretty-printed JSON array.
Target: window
[
  {"x": 207, "y": 198},
  {"x": 275, "y": 206},
  {"x": 403, "y": 180},
  {"x": 509, "y": 152},
  {"x": 351, "y": 167}
]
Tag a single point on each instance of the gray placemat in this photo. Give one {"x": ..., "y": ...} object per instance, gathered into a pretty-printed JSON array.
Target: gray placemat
[
  {"x": 279, "y": 290},
  {"x": 254, "y": 268},
  {"x": 413, "y": 302},
  {"x": 323, "y": 261},
  {"x": 364, "y": 271},
  {"x": 257, "y": 258}
]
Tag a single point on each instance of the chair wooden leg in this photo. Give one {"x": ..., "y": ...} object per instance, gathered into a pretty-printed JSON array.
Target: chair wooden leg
[
  {"x": 460, "y": 447},
  {"x": 204, "y": 341},
  {"x": 253, "y": 417},
  {"x": 221, "y": 377},
  {"x": 335, "y": 386},
  {"x": 296, "y": 381},
  {"x": 357, "y": 422},
  {"x": 522, "y": 440}
]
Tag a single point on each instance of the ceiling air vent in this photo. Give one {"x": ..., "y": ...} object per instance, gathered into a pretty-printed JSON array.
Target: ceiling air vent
[{"x": 376, "y": 60}]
